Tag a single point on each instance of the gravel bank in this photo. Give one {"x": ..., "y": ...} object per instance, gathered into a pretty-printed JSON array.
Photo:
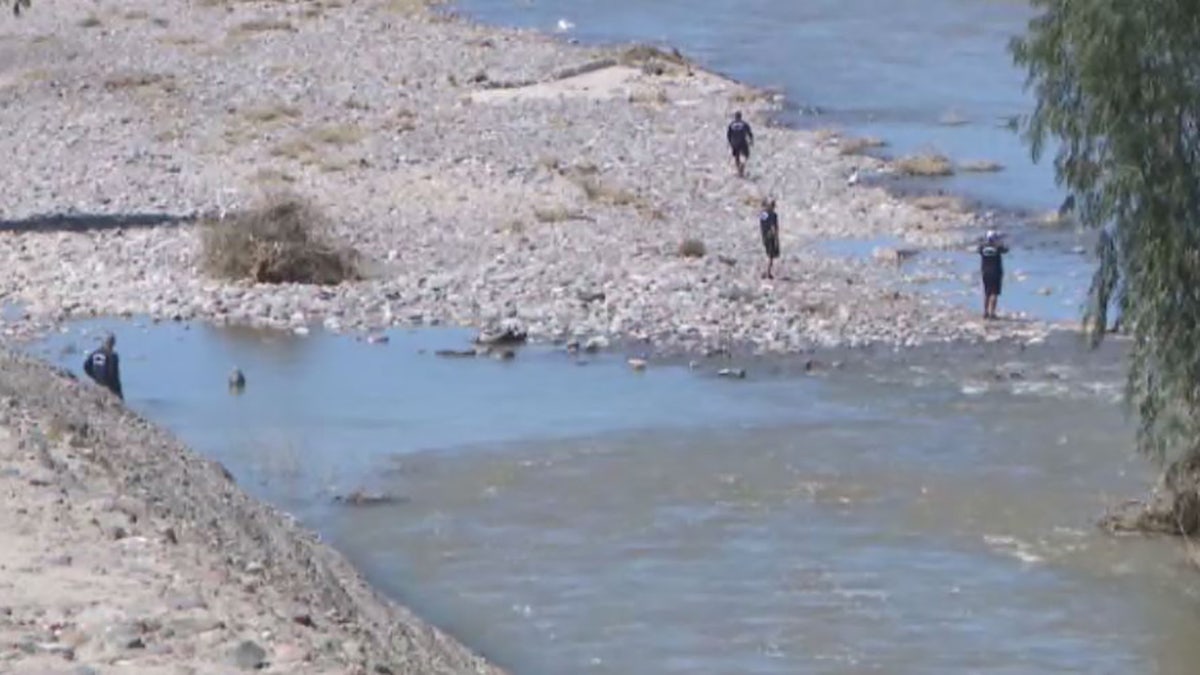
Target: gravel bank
[
  {"x": 487, "y": 174},
  {"x": 123, "y": 548}
]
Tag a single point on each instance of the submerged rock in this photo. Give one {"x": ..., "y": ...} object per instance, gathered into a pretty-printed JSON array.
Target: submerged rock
[
  {"x": 364, "y": 498},
  {"x": 456, "y": 353},
  {"x": 507, "y": 333}
]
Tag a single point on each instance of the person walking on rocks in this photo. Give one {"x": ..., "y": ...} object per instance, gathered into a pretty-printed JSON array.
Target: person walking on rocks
[
  {"x": 104, "y": 367},
  {"x": 991, "y": 253},
  {"x": 768, "y": 224},
  {"x": 740, "y": 137}
]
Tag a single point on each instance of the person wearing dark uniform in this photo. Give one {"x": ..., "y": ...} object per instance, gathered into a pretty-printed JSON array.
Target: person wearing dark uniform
[
  {"x": 740, "y": 137},
  {"x": 768, "y": 224},
  {"x": 991, "y": 253},
  {"x": 104, "y": 367}
]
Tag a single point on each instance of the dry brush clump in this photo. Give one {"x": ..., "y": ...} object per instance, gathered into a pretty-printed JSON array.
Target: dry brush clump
[
  {"x": 692, "y": 248},
  {"x": 265, "y": 25},
  {"x": 981, "y": 166},
  {"x": 137, "y": 80},
  {"x": 926, "y": 165},
  {"x": 858, "y": 145},
  {"x": 271, "y": 113},
  {"x": 558, "y": 214},
  {"x": 285, "y": 239}
]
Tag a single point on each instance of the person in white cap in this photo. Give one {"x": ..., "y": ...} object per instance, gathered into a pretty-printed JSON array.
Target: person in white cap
[{"x": 991, "y": 253}]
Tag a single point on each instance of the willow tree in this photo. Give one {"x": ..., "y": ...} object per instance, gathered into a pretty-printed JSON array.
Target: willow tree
[{"x": 1117, "y": 86}]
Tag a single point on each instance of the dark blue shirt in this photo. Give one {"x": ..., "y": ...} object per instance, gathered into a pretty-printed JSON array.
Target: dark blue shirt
[
  {"x": 104, "y": 368},
  {"x": 769, "y": 222},
  {"x": 991, "y": 258},
  {"x": 739, "y": 133}
]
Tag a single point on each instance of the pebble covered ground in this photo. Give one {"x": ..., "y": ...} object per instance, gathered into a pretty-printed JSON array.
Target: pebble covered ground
[{"x": 485, "y": 174}]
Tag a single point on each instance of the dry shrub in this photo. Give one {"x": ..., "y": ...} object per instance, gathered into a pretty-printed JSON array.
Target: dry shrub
[
  {"x": 748, "y": 95},
  {"x": 752, "y": 201},
  {"x": 692, "y": 248},
  {"x": 858, "y": 145},
  {"x": 598, "y": 191},
  {"x": 179, "y": 40},
  {"x": 929, "y": 165},
  {"x": 655, "y": 96},
  {"x": 557, "y": 214},
  {"x": 37, "y": 75},
  {"x": 268, "y": 114},
  {"x": 139, "y": 80},
  {"x": 168, "y": 135},
  {"x": 651, "y": 212},
  {"x": 265, "y": 25},
  {"x": 339, "y": 135},
  {"x": 827, "y": 135},
  {"x": 296, "y": 149},
  {"x": 284, "y": 240},
  {"x": 269, "y": 176},
  {"x": 407, "y": 7},
  {"x": 981, "y": 166},
  {"x": 938, "y": 203},
  {"x": 638, "y": 54},
  {"x": 402, "y": 122},
  {"x": 511, "y": 227}
]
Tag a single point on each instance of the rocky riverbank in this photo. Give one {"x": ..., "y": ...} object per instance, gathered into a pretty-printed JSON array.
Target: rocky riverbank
[
  {"x": 486, "y": 174},
  {"x": 123, "y": 548}
]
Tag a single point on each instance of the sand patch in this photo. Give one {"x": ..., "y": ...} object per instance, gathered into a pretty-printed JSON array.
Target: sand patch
[{"x": 601, "y": 84}]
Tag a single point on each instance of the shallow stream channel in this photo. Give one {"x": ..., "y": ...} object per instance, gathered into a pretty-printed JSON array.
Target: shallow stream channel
[{"x": 929, "y": 511}]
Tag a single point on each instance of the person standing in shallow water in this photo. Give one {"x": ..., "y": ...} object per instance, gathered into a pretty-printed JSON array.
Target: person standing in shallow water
[
  {"x": 740, "y": 137},
  {"x": 768, "y": 224},
  {"x": 104, "y": 367},
  {"x": 991, "y": 253}
]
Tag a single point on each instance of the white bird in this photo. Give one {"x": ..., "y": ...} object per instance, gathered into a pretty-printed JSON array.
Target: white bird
[
  {"x": 564, "y": 25},
  {"x": 852, "y": 180}
]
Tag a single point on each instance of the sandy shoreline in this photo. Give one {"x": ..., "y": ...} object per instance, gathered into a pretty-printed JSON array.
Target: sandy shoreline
[
  {"x": 124, "y": 548},
  {"x": 481, "y": 183}
]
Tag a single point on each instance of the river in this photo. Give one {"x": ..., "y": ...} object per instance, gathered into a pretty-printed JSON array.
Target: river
[{"x": 920, "y": 512}]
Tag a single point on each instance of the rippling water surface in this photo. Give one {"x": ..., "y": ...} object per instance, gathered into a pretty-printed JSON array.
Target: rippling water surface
[{"x": 901, "y": 515}]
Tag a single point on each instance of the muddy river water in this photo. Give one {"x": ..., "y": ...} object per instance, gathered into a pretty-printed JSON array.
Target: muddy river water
[{"x": 921, "y": 513}]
